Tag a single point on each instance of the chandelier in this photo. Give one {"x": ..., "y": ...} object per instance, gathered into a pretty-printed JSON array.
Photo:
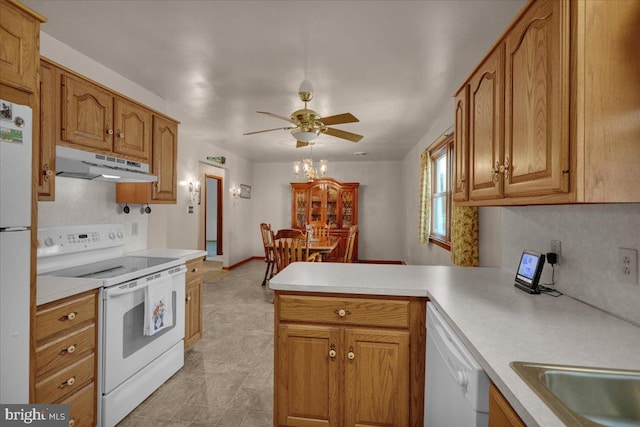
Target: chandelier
[{"x": 305, "y": 168}]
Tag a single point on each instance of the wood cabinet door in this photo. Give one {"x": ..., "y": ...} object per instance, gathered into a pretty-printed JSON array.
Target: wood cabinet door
[
  {"x": 46, "y": 159},
  {"x": 376, "y": 378},
  {"x": 87, "y": 114},
  {"x": 307, "y": 383},
  {"x": 193, "y": 312},
  {"x": 299, "y": 212},
  {"x": 20, "y": 47},
  {"x": 132, "y": 126},
  {"x": 461, "y": 146},
  {"x": 331, "y": 206},
  {"x": 501, "y": 414},
  {"x": 348, "y": 208},
  {"x": 165, "y": 157},
  {"x": 537, "y": 102},
  {"x": 318, "y": 203},
  {"x": 486, "y": 96}
]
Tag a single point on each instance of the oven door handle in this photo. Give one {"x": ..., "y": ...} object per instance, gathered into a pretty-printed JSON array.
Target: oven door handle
[{"x": 118, "y": 291}]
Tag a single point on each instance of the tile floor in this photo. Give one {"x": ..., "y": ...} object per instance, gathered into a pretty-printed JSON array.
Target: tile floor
[{"x": 227, "y": 378}]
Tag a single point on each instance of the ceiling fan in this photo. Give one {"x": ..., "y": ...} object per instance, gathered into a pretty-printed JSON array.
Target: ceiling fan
[{"x": 307, "y": 124}]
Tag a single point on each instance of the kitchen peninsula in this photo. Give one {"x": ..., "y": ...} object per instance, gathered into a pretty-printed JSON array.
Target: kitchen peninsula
[{"x": 497, "y": 322}]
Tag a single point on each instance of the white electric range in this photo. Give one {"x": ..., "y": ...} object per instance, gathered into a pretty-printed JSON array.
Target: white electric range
[{"x": 132, "y": 362}]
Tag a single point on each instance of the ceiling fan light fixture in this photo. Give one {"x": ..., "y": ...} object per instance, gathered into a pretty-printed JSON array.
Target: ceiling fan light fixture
[
  {"x": 304, "y": 136},
  {"x": 306, "y": 91}
]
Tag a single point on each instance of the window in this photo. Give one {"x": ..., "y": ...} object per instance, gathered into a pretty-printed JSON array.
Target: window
[{"x": 435, "y": 203}]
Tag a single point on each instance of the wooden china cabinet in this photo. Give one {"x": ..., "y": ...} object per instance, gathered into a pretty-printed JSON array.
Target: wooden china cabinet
[{"x": 332, "y": 202}]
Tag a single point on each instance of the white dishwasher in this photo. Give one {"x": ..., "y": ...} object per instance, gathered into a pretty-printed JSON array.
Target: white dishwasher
[{"x": 456, "y": 387}]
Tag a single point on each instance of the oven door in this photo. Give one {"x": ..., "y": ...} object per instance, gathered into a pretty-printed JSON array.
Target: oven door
[{"x": 126, "y": 349}]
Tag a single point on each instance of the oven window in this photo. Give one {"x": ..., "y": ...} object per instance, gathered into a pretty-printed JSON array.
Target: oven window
[{"x": 133, "y": 336}]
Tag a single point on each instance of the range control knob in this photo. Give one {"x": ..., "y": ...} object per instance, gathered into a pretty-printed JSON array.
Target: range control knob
[
  {"x": 112, "y": 235},
  {"x": 120, "y": 234},
  {"x": 48, "y": 241}
]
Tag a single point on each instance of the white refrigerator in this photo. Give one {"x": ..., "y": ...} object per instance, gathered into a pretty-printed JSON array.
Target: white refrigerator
[{"x": 15, "y": 246}]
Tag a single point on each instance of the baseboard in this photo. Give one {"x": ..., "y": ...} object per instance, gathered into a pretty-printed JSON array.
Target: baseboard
[{"x": 238, "y": 264}]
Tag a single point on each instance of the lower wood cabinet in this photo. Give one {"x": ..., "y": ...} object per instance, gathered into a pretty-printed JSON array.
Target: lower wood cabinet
[
  {"x": 349, "y": 360},
  {"x": 501, "y": 414},
  {"x": 65, "y": 355},
  {"x": 193, "y": 303}
]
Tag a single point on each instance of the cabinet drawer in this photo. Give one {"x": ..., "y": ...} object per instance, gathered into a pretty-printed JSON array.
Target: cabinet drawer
[
  {"x": 194, "y": 269},
  {"x": 65, "y": 350},
  {"x": 82, "y": 406},
  {"x": 66, "y": 381},
  {"x": 58, "y": 317},
  {"x": 345, "y": 311}
]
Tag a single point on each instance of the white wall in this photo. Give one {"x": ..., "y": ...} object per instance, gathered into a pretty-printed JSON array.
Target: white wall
[{"x": 381, "y": 204}]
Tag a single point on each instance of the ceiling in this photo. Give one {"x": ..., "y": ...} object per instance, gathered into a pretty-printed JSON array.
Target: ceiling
[{"x": 392, "y": 64}]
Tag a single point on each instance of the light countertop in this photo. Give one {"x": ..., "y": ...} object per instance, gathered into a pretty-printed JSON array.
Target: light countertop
[
  {"x": 497, "y": 322},
  {"x": 186, "y": 254},
  {"x": 51, "y": 288}
]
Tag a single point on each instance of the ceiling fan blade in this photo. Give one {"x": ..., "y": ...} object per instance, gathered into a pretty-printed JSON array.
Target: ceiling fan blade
[
  {"x": 353, "y": 137},
  {"x": 287, "y": 119},
  {"x": 339, "y": 119},
  {"x": 301, "y": 144},
  {"x": 268, "y": 130}
]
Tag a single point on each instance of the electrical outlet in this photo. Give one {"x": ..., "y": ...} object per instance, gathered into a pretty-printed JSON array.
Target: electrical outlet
[{"x": 628, "y": 265}]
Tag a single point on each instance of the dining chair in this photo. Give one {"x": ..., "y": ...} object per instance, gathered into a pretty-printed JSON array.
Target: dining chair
[
  {"x": 289, "y": 233},
  {"x": 288, "y": 250},
  {"x": 320, "y": 229},
  {"x": 351, "y": 239},
  {"x": 269, "y": 254}
]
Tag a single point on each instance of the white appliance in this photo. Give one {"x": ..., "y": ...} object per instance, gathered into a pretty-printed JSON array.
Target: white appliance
[
  {"x": 132, "y": 365},
  {"x": 15, "y": 250},
  {"x": 456, "y": 387},
  {"x": 74, "y": 163}
]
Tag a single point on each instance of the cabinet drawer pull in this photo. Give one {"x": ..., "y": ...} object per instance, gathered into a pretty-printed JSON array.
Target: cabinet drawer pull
[
  {"x": 46, "y": 173},
  {"x": 120, "y": 135},
  {"x": 70, "y": 381},
  {"x": 72, "y": 422},
  {"x": 70, "y": 316},
  {"x": 69, "y": 349},
  {"x": 332, "y": 352},
  {"x": 351, "y": 355},
  {"x": 342, "y": 312},
  {"x": 109, "y": 131}
]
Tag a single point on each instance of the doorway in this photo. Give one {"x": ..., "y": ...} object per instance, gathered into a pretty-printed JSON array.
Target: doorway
[{"x": 213, "y": 217}]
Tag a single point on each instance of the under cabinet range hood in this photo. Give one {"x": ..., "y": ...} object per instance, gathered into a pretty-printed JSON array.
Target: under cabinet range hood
[{"x": 73, "y": 163}]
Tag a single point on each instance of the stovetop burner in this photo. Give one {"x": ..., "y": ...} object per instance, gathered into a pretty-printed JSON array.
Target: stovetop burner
[{"x": 111, "y": 268}]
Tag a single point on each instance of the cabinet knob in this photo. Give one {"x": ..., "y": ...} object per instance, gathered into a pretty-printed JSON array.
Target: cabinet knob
[
  {"x": 188, "y": 298},
  {"x": 72, "y": 422},
  {"x": 195, "y": 270},
  {"x": 120, "y": 135},
  {"x": 46, "y": 173},
  {"x": 70, "y": 349},
  {"x": 68, "y": 382},
  {"x": 70, "y": 316},
  {"x": 341, "y": 312},
  {"x": 332, "y": 354},
  {"x": 109, "y": 131},
  {"x": 351, "y": 355}
]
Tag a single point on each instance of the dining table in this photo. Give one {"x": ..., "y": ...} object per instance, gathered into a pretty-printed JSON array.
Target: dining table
[{"x": 324, "y": 245}]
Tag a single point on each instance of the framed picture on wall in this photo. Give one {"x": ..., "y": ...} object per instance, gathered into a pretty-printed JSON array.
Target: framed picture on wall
[{"x": 245, "y": 191}]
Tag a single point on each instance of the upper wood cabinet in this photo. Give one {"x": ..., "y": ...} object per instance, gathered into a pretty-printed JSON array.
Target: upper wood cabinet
[
  {"x": 165, "y": 158},
  {"x": 45, "y": 162},
  {"x": 460, "y": 185},
  {"x": 536, "y": 119},
  {"x": 97, "y": 119},
  {"x": 486, "y": 95},
  {"x": 561, "y": 127},
  {"x": 20, "y": 41}
]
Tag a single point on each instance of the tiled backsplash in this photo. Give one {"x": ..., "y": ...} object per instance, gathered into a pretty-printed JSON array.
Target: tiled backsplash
[
  {"x": 590, "y": 236},
  {"x": 80, "y": 201}
]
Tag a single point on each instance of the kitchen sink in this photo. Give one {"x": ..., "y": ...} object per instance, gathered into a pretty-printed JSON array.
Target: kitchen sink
[{"x": 582, "y": 396}]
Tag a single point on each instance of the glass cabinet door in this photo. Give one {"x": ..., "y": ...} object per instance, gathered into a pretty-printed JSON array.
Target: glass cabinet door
[
  {"x": 347, "y": 207},
  {"x": 317, "y": 203},
  {"x": 300, "y": 206},
  {"x": 332, "y": 206}
]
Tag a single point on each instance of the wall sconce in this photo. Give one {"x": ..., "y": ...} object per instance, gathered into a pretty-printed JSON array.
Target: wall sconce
[
  {"x": 235, "y": 192},
  {"x": 194, "y": 191}
]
